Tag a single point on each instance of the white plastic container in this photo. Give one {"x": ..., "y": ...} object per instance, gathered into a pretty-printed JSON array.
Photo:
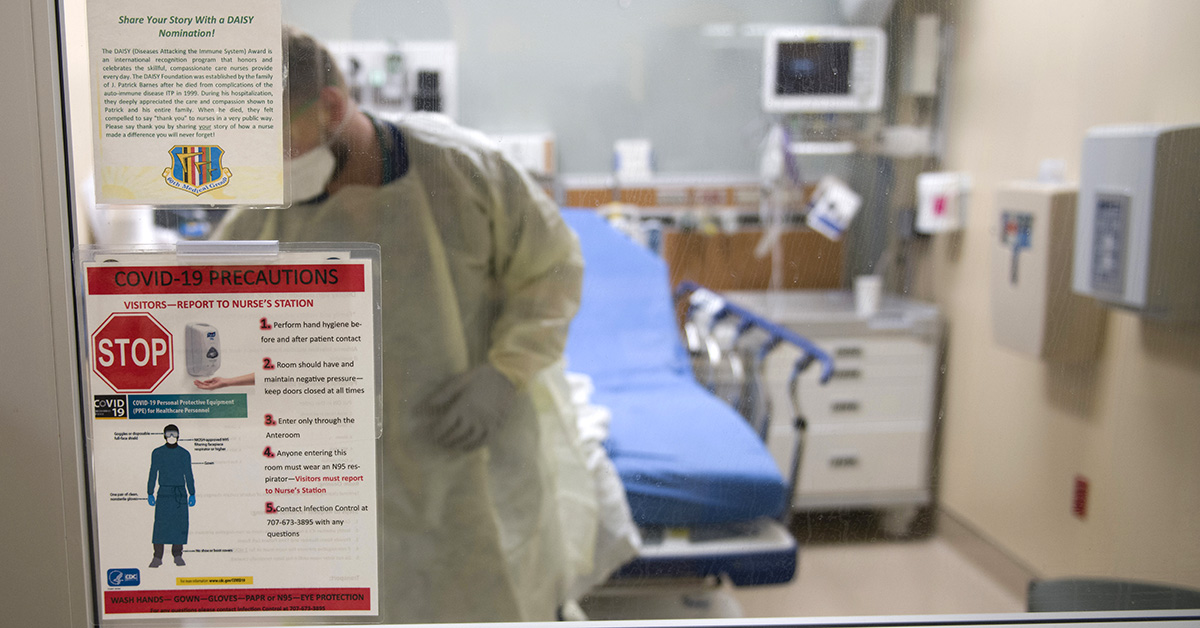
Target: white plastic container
[
  {"x": 203, "y": 347},
  {"x": 868, "y": 294}
]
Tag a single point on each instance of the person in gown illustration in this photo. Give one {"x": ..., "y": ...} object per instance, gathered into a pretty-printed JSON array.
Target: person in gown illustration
[{"x": 171, "y": 470}]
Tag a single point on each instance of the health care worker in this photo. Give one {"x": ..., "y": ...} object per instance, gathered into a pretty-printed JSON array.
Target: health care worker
[{"x": 480, "y": 279}]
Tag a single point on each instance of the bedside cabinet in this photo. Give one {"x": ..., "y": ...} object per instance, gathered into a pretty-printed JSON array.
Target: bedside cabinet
[{"x": 871, "y": 427}]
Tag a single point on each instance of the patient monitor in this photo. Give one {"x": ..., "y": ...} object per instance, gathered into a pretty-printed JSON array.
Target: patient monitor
[{"x": 822, "y": 69}]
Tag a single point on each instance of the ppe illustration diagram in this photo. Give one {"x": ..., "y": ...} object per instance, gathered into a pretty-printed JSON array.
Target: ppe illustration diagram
[
  {"x": 203, "y": 346},
  {"x": 171, "y": 470}
]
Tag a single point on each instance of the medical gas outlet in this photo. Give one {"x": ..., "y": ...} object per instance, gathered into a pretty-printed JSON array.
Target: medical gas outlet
[
  {"x": 1034, "y": 310},
  {"x": 203, "y": 347}
]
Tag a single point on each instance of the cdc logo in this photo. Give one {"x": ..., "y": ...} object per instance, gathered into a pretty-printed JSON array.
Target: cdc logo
[{"x": 124, "y": 577}]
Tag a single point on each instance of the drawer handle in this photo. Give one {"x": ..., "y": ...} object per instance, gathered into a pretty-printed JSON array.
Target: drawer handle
[
  {"x": 844, "y": 462},
  {"x": 845, "y": 406},
  {"x": 847, "y": 374},
  {"x": 848, "y": 352}
]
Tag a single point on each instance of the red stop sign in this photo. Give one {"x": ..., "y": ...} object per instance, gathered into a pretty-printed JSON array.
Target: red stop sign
[{"x": 132, "y": 352}]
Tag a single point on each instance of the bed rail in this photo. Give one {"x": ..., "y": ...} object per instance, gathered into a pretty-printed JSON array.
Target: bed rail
[
  {"x": 718, "y": 308},
  {"x": 749, "y": 337}
]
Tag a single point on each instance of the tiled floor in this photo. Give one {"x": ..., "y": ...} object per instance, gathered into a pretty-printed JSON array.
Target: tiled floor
[{"x": 846, "y": 569}]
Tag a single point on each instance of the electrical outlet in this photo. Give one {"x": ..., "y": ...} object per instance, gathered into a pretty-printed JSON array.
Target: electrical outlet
[{"x": 1079, "y": 501}]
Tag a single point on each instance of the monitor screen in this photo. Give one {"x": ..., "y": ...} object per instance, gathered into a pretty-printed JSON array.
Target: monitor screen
[{"x": 814, "y": 68}]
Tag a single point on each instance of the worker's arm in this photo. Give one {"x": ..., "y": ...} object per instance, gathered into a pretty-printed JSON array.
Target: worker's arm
[{"x": 540, "y": 270}]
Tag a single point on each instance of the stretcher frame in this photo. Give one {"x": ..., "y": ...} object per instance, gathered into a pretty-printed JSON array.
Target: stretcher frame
[{"x": 729, "y": 346}]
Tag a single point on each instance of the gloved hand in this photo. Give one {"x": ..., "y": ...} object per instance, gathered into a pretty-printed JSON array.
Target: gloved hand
[
  {"x": 469, "y": 407},
  {"x": 191, "y": 500},
  {"x": 151, "y": 499}
]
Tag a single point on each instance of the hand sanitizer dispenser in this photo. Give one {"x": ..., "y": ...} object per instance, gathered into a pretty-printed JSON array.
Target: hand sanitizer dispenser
[
  {"x": 1137, "y": 236},
  {"x": 1034, "y": 310},
  {"x": 203, "y": 346}
]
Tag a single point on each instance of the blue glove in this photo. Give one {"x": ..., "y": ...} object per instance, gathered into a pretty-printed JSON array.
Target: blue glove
[
  {"x": 151, "y": 498},
  {"x": 191, "y": 500}
]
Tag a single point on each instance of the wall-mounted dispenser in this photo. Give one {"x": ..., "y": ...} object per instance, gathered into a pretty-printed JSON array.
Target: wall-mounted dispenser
[
  {"x": 1137, "y": 236},
  {"x": 942, "y": 201},
  {"x": 1033, "y": 308},
  {"x": 203, "y": 347}
]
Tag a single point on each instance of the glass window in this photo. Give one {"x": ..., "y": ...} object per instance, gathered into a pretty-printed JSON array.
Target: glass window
[{"x": 711, "y": 309}]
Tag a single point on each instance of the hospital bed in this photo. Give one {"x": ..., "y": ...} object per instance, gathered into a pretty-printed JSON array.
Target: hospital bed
[{"x": 708, "y": 498}]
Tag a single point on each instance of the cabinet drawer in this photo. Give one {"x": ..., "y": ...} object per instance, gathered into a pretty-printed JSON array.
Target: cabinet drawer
[
  {"x": 891, "y": 457},
  {"x": 831, "y": 402},
  {"x": 846, "y": 373},
  {"x": 916, "y": 361},
  {"x": 874, "y": 349}
]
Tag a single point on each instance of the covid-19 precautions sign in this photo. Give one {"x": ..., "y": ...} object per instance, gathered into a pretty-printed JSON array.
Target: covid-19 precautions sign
[{"x": 232, "y": 433}]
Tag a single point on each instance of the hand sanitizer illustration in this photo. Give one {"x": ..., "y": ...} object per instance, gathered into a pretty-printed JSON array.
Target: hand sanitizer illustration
[{"x": 203, "y": 346}]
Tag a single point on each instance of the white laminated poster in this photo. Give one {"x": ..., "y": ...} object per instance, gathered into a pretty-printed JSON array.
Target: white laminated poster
[
  {"x": 187, "y": 102},
  {"x": 232, "y": 431}
]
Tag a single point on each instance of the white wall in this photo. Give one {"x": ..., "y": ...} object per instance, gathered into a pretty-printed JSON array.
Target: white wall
[{"x": 1030, "y": 77}]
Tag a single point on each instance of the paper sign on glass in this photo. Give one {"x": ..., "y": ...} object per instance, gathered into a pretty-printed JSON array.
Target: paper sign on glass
[
  {"x": 232, "y": 434},
  {"x": 187, "y": 102}
]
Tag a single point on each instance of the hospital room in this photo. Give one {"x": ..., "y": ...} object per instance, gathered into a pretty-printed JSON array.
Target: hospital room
[{"x": 869, "y": 312}]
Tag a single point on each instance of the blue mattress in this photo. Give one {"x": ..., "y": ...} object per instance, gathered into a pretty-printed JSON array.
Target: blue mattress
[{"x": 684, "y": 456}]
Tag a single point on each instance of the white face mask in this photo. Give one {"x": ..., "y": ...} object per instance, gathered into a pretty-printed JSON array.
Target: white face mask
[
  {"x": 172, "y": 439},
  {"x": 311, "y": 172}
]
